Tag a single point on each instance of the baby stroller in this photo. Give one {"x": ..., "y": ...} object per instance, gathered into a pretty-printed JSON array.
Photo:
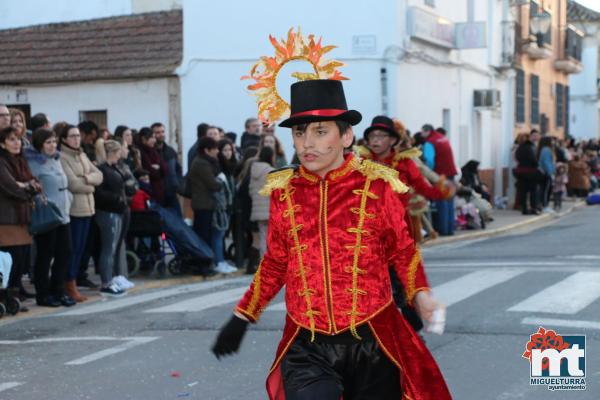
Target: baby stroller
[
  {"x": 190, "y": 253},
  {"x": 160, "y": 233},
  {"x": 147, "y": 243},
  {"x": 9, "y": 298}
]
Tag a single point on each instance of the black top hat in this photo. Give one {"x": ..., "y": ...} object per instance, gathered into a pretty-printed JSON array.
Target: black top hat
[
  {"x": 383, "y": 123},
  {"x": 319, "y": 100}
]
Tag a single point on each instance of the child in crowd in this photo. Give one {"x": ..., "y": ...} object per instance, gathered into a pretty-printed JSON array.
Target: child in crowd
[
  {"x": 559, "y": 186},
  {"x": 140, "y": 199}
]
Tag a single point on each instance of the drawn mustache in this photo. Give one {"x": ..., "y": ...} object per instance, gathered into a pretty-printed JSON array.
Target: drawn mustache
[{"x": 316, "y": 152}]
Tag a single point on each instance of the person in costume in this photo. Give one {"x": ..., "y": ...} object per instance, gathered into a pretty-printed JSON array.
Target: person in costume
[
  {"x": 381, "y": 138},
  {"x": 336, "y": 223}
]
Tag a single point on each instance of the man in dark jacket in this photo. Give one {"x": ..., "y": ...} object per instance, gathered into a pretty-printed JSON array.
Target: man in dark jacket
[
  {"x": 170, "y": 158},
  {"x": 251, "y": 136},
  {"x": 193, "y": 151}
]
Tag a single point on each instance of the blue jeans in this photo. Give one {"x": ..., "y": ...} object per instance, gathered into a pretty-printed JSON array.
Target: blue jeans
[
  {"x": 110, "y": 225},
  {"x": 80, "y": 228},
  {"x": 217, "y": 245},
  {"x": 443, "y": 220}
]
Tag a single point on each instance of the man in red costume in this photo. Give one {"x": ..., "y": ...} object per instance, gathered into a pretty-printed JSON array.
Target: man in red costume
[
  {"x": 381, "y": 138},
  {"x": 336, "y": 224}
]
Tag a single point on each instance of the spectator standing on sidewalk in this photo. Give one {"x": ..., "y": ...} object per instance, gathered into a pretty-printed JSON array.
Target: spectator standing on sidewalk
[
  {"x": 559, "y": 186},
  {"x": 17, "y": 121},
  {"x": 546, "y": 164},
  {"x": 579, "y": 177},
  {"x": 527, "y": 174},
  {"x": 443, "y": 164},
  {"x": 17, "y": 188},
  {"x": 193, "y": 151},
  {"x": 134, "y": 158},
  {"x": 5, "y": 119},
  {"x": 251, "y": 135},
  {"x": 82, "y": 178},
  {"x": 269, "y": 140},
  {"x": 111, "y": 202},
  {"x": 174, "y": 172},
  {"x": 260, "y": 204},
  {"x": 89, "y": 136},
  {"x": 204, "y": 184},
  {"x": 53, "y": 248},
  {"x": 152, "y": 163}
]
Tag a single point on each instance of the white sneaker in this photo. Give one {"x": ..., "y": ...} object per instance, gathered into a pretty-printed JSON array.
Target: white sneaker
[
  {"x": 112, "y": 290},
  {"x": 223, "y": 268},
  {"x": 123, "y": 282},
  {"x": 549, "y": 210},
  {"x": 228, "y": 266}
]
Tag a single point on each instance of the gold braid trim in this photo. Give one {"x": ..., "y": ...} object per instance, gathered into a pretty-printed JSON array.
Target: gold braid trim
[
  {"x": 411, "y": 273},
  {"x": 358, "y": 248},
  {"x": 277, "y": 180},
  {"x": 413, "y": 152},
  {"x": 306, "y": 292},
  {"x": 362, "y": 152},
  {"x": 373, "y": 170},
  {"x": 251, "y": 309}
]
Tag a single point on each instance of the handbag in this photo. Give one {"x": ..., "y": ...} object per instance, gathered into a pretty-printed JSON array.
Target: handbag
[
  {"x": 184, "y": 188},
  {"x": 45, "y": 216}
]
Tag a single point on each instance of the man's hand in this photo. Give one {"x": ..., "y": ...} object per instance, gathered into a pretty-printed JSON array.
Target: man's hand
[
  {"x": 230, "y": 337},
  {"x": 426, "y": 304}
]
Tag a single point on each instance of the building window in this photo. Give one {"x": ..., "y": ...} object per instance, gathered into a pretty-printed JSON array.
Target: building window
[
  {"x": 430, "y": 3},
  {"x": 534, "y": 9},
  {"x": 520, "y": 97},
  {"x": 535, "y": 99},
  {"x": 567, "y": 116},
  {"x": 97, "y": 116},
  {"x": 559, "y": 105}
]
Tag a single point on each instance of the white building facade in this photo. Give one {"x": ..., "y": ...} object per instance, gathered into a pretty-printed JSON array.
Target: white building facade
[{"x": 585, "y": 86}]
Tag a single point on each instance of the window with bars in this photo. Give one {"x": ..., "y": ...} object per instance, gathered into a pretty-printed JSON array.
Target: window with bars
[
  {"x": 535, "y": 99},
  {"x": 566, "y": 90},
  {"x": 520, "y": 97},
  {"x": 430, "y": 3},
  {"x": 559, "y": 105},
  {"x": 534, "y": 10}
]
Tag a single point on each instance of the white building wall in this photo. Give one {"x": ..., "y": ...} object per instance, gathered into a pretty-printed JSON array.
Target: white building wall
[
  {"x": 132, "y": 103},
  {"x": 584, "y": 107}
]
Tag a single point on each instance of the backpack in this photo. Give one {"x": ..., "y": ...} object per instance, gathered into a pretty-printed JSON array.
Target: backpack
[{"x": 223, "y": 200}]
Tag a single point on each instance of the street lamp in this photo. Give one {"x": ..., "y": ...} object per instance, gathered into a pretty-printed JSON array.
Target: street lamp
[{"x": 539, "y": 26}]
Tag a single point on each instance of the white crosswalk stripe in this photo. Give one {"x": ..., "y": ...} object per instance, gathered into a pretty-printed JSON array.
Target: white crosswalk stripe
[
  {"x": 204, "y": 302},
  {"x": 469, "y": 285},
  {"x": 568, "y": 296}
]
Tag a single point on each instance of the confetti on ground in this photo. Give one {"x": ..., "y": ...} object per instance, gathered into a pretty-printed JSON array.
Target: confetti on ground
[
  {"x": 183, "y": 394},
  {"x": 192, "y": 384},
  {"x": 175, "y": 374}
]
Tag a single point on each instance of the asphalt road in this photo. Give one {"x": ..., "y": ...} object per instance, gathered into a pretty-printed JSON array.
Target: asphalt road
[{"x": 155, "y": 344}]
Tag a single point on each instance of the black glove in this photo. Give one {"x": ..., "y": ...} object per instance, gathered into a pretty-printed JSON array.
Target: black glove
[{"x": 230, "y": 337}]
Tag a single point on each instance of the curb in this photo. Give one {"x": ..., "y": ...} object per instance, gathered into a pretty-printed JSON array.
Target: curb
[{"x": 498, "y": 231}]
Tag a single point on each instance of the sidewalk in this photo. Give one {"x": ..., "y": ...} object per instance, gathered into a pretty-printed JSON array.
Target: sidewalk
[{"x": 505, "y": 221}]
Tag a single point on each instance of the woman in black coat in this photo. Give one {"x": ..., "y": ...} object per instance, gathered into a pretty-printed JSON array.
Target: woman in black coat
[{"x": 527, "y": 174}]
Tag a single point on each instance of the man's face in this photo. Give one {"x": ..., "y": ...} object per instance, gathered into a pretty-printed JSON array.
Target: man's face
[
  {"x": 380, "y": 142},
  {"x": 535, "y": 137},
  {"x": 253, "y": 127},
  {"x": 4, "y": 117},
  {"x": 90, "y": 138},
  {"x": 213, "y": 133},
  {"x": 425, "y": 132},
  {"x": 320, "y": 147},
  {"x": 159, "y": 133}
]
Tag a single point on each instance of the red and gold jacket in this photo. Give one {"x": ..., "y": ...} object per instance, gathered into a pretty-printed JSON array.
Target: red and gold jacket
[
  {"x": 330, "y": 242},
  {"x": 409, "y": 173}
]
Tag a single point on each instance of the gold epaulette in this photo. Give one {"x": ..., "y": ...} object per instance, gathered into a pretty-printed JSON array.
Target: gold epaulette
[
  {"x": 277, "y": 179},
  {"x": 374, "y": 170},
  {"x": 362, "y": 152},
  {"x": 413, "y": 152}
]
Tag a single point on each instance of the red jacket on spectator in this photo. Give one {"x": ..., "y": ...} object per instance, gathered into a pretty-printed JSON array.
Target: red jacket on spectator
[
  {"x": 444, "y": 159},
  {"x": 138, "y": 201}
]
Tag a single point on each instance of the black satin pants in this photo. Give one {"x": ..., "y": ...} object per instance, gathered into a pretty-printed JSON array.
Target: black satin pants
[{"x": 333, "y": 366}]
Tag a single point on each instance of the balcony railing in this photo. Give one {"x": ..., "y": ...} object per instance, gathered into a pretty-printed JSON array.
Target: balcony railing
[{"x": 570, "y": 62}]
